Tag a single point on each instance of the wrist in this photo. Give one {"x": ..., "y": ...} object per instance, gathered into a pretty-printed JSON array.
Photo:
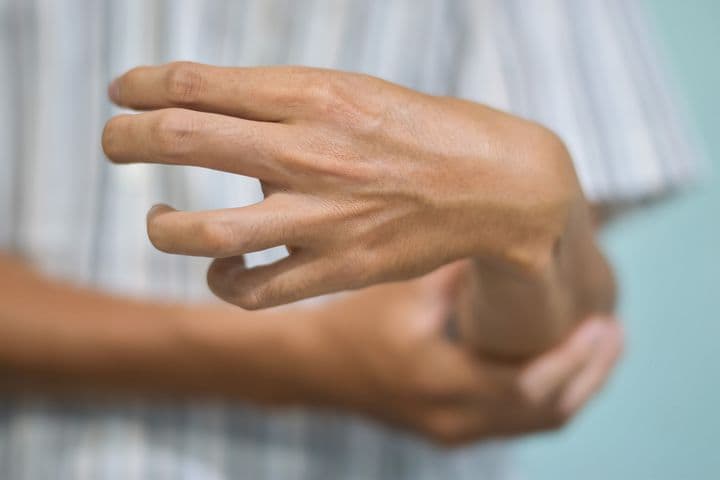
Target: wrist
[
  {"x": 517, "y": 198},
  {"x": 500, "y": 300},
  {"x": 261, "y": 357},
  {"x": 327, "y": 347}
]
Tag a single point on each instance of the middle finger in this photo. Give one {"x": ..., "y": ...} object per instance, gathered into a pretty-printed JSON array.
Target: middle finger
[{"x": 176, "y": 136}]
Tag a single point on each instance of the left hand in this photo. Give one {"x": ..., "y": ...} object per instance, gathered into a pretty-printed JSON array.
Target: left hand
[
  {"x": 384, "y": 352},
  {"x": 365, "y": 181}
]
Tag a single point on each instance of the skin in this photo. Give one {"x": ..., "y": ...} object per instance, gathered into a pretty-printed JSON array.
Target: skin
[
  {"x": 350, "y": 165},
  {"x": 366, "y": 183},
  {"x": 380, "y": 352}
]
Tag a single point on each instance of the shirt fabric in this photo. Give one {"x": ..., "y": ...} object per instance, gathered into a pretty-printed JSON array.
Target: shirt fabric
[{"x": 585, "y": 68}]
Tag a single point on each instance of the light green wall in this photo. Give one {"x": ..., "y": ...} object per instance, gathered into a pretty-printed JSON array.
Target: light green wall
[{"x": 660, "y": 417}]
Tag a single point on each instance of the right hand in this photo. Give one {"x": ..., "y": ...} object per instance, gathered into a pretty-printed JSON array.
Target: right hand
[
  {"x": 384, "y": 352},
  {"x": 365, "y": 181}
]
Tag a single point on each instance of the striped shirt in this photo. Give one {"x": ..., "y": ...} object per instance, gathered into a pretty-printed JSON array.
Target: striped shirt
[{"x": 586, "y": 68}]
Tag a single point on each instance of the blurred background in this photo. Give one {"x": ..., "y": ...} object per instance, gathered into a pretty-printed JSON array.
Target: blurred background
[{"x": 659, "y": 418}]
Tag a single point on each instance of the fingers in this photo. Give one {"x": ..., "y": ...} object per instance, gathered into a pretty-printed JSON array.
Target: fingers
[
  {"x": 228, "y": 232},
  {"x": 481, "y": 409},
  {"x": 555, "y": 369},
  {"x": 301, "y": 275},
  {"x": 592, "y": 378},
  {"x": 264, "y": 93},
  {"x": 185, "y": 137}
]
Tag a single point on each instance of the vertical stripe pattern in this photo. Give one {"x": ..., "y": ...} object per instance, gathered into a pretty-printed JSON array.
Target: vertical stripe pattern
[{"x": 587, "y": 69}]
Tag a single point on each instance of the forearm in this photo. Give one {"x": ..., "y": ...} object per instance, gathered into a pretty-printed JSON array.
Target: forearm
[
  {"x": 507, "y": 314},
  {"x": 57, "y": 337}
]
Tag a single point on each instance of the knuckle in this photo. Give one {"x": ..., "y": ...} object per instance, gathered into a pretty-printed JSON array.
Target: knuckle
[
  {"x": 329, "y": 90},
  {"x": 297, "y": 97},
  {"x": 251, "y": 298},
  {"x": 232, "y": 288},
  {"x": 551, "y": 147},
  {"x": 172, "y": 132},
  {"x": 184, "y": 83},
  {"x": 548, "y": 155},
  {"x": 336, "y": 96}
]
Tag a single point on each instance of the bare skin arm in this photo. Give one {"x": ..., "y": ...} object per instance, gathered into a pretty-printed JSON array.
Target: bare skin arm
[
  {"x": 380, "y": 352},
  {"x": 59, "y": 336}
]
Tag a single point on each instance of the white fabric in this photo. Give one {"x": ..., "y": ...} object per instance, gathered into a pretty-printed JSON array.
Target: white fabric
[{"x": 585, "y": 68}]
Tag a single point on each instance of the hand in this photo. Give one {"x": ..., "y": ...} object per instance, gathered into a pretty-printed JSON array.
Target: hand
[
  {"x": 365, "y": 181},
  {"x": 383, "y": 352}
]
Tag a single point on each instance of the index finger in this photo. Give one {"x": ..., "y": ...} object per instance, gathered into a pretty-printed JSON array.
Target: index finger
[{"x": 256, "y": 93}]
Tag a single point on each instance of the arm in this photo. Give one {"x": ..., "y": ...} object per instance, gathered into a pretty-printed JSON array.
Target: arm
[
  {"x": 379, "y": 352},
  {"x": 55, "y": 336}
]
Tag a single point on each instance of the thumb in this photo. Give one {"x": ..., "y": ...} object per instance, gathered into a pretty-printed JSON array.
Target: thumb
[
  {"x": 440, "y": 290},
  {"x": 446, "y": 281}
]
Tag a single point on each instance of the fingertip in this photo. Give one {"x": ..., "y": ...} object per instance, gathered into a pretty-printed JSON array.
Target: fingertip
[
  {"x": 113, "y": 90},
  {"x": 592, "y": 332},
  {"x": 215, "y": 277},
  {"x": 155, "y": 212},
  {"x": 611, "y": 334},
  {"x": 155, "y": 231},
  {"x": 569, "y": 407},
  {"x": 617, "y": 334},
  {"x": 597, "y": 372},
  {"x": 159, "y": 209},
  {"x": 579, "y": 393},
  {"x": 222, "y": 273},
  {"x": 577, "y": 396}
]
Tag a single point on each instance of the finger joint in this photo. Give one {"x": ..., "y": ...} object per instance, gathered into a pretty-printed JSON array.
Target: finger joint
[
  {"x": 184, "y": 83},
  {"x": 173, "y": 131}
]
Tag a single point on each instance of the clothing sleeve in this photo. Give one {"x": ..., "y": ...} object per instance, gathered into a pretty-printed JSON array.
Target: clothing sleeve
[
  {"x": 590, "y": 71},
  {"x": 14, "y": 45}
]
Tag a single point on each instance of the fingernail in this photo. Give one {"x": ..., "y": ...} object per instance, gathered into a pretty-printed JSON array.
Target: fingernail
[{"x": 114, "y": 90}]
